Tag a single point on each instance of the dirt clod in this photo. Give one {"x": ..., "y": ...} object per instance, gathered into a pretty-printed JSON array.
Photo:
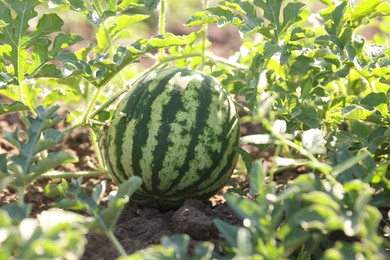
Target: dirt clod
[
  {"x": 193, "y": 222},
  {"x": 194, "y": 203}
]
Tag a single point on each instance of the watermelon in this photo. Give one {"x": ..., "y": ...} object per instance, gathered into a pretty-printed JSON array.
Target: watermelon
[{"x": 176, "y": 129}]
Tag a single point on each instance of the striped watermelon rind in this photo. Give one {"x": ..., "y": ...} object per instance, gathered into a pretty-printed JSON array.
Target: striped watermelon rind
[{"x": 176, "y": 129}]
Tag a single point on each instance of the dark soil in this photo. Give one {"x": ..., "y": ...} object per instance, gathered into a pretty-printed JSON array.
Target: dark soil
[{"x": 139, "y": 227}]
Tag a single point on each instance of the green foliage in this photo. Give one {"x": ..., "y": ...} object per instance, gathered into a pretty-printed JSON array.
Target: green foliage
[
  {"x": 174, "y": 247},
  {"x": 310, "y": 217},
  {"x": 304, "y": 85},
  {"x": 40, "y": 136},
  {"x": 73, "y": 197},
  {"x": 54, "y": 234},
  {"x": 34, "y": 157}
]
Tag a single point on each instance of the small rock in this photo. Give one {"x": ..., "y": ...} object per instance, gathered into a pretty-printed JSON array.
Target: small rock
[{"x": 193, "y": 222}]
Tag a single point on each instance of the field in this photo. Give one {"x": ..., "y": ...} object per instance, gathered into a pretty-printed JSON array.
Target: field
[{"x": 310, "y": 81}]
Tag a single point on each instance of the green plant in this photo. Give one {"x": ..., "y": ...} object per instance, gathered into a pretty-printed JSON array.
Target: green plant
[
  {"x": 311, "y": 217},
  {"x": 54, "y": 234},
  {"x": 33, "y": 159},
  {"x": 174, "y": 247},
  {"x": 102, "y": 218}
]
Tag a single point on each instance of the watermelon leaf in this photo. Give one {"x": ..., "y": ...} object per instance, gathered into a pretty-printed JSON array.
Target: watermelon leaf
[
  {"x": 119, "y": 200},
  {"x": 176, "y": 247},
  {"x": 40, "y": 138},
  {"x": 101, "y": 69},
  {"x": 74, "y": 197},
  {"x": 13, "y": 107}
]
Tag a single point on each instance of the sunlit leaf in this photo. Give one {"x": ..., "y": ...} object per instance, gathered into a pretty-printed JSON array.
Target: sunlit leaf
[
  {"x": 291, "y": 14},
  {"x": 271, "y": 11},
  {"x": 363, "y": 112},
  {"x": 363, "y": 11},
  {"x": 119, "y": 200},
  {"x": 314, "y": 141},
  {"x": 77, "y": 5},
  {"x": 221, "y": 15}
]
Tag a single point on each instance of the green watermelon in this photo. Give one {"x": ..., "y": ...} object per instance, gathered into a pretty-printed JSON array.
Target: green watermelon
[{"x": 176, "y": 129}]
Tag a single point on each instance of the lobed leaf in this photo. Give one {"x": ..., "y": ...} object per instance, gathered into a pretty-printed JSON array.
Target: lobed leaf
[
  {"x": 29, "y": 164},
  {"x": 119, "y": 200},
  {"x": 63, "y": 41},
  {"x": 363, "y": 11},
  {"x": 53, "y": 160},
  {"x": 39, "y": 238},
  {"x": 220, "y": 15},
  {"x": 13, "y": 107},
  {"x": 116, "y": 27},
  {"x": 363, "y": 112},
  {"x": 77, "y": 5},
  {"x": 30, "y": 52},
  {"x": 229, "y": 232},
  {"x": 271, "y": 11},
  {"x": 257, "y": 177},
  {"x": 102, "y": 69},
  {"x": 291, "y": 15}
]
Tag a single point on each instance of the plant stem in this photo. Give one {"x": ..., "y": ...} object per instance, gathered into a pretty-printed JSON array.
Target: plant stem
[
  {"x": 116, "y": 243},
  {"x": 274, "y": 166},
  {"x": 21, "y": 195},
  {"x": 168, "y": 59},
  {"x": 244, "y": 108},
  {"x": 97, "y": 6},
  {"x": 204, "y": 33},
  {"x": 108, "y": 102},
  {"x": 96, "y": 147},
  {"x": 162, "y": 24},
  {"x": 91, "y": 105},
  {"x": 226, "y": 61},
  {"x": 58, "y": 174},
  {"x": 342, "y": 88},
  {"x": 349, "y": 163},
  {"x": 112, "y": 50}
]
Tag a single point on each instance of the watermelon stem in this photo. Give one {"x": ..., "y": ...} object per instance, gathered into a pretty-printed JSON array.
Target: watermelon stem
[
  {"x": 59, "y": 174},
  {"x": 167, "y": 60},
  {"x": 90, "y": 106},
  {"x": 162, "y": 24},
  {"x": 204, "y": 33},
  {"x": 112, "y": 99},
  {"x": 241, "y": 106},
  {"x": 226, "y": 61},
  {"x": 116, "y": 243},
  {"x": 95, "y": 145},
  {"x": 112, "y": 49},
  {"x": 313, "y": 162}
]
